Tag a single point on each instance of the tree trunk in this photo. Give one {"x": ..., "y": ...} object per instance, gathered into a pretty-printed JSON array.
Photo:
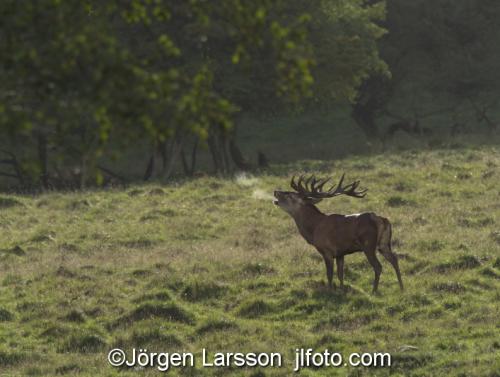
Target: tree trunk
[
  {"x": 12, "y": 161},
  {"x": 150, "y": 167},
  {"x": 237, "y": 156},
  {"x": 185, "y": 166},
  {"x": 262, "y": 161},
  {"x": 481, "y": 114},
  {"x": 162, "y": 148},
  {"x": 189, "y": 167},
  {"x": 171, "y": 156},
  {"x": 224, "y": 141},
  {"x": 365, "y": 119},
  {"x": 194, "y": 153},
  {"x": 214, "y": 152},
  {"x": 83, "y": 173},
  {"x": 42, "y": 160}
]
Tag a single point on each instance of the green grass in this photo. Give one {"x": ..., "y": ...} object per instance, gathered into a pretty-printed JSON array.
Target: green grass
[{"x": 212, "y": 263}]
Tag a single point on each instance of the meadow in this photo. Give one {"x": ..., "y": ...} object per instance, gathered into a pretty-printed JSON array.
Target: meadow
[{"x": 212, "y": 263}]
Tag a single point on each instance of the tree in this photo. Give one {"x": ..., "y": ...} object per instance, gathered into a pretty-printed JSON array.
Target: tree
[
  {"x": 61, "y": 69},
  {"x": 83, "y": 81},
  {"x": 442, "y": 57}
]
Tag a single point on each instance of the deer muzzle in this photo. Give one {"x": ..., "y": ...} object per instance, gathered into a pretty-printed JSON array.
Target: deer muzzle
[{"x": 277, "y": 196}]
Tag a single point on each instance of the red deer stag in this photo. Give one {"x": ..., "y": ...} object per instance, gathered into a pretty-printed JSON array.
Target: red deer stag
[{"x": 335, "y": 236}]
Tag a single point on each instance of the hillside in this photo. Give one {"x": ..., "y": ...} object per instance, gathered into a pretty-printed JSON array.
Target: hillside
[{"x": 212, "y": 263}]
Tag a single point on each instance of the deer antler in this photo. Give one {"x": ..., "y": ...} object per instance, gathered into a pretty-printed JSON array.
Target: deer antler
[{"x": 312, "y": 187}]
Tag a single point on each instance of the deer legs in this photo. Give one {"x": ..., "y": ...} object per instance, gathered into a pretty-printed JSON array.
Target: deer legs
[
  {"x": 329, "y": 269},
  {"x": 370, "y": 253},
  {"x": 392, "y": 259},
  {"x": 340, "y": 270},
  {"x": 377, "y": 267}
]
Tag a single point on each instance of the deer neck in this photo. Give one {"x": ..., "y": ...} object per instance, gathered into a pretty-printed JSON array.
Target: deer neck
[{"x": 307, "y": 218}]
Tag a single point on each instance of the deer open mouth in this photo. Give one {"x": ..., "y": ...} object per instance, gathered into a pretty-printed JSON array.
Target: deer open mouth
[{"x": 277, "y": 200}]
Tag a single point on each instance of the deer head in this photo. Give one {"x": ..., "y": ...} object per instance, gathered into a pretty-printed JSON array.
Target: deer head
[{"x": 309, "y": 191}]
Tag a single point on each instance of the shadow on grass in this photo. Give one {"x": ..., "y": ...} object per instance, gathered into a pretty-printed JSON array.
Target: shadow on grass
[
  {"x": 327, "y": 300},
  {"x": 148, "y": 337},
  {"x": 255, "y": 308},
  {"x": 10, "y": 358},
  {"x": 83, "y": 341},
  {"x": 196, "y": 291},
  {"x": 169, "y": 311},
  {"x": 214, "y": 325}
]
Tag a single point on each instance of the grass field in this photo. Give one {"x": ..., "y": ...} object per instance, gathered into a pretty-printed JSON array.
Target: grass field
[{"x": 211, "y": 263}]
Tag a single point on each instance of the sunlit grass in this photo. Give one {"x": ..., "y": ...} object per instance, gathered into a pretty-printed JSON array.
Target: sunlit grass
[{"x": 212, "y": 263}]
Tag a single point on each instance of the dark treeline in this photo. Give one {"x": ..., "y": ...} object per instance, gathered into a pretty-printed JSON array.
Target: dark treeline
[{"x": 83, "y": 82}]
